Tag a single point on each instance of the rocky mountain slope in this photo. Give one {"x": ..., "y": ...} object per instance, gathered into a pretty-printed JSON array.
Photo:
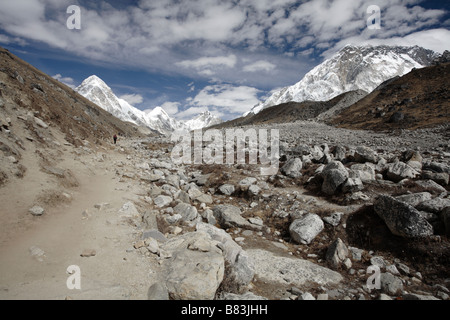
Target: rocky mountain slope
[
  {"x": 352, "y": 68},
  {"x": 419, "y": 99}
]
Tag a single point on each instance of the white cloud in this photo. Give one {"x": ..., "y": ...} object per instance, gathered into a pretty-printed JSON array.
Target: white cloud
[
  {"x": 205, "y": 64},
  {"x": 190, "y": 113},
  {"x": 260, "y": 65},
  {"x": 227, "y": 98},
  {"x": 68, "y": 81},
  {"x": 171, "y": 108},
  {"x": 133, "y": 98}
]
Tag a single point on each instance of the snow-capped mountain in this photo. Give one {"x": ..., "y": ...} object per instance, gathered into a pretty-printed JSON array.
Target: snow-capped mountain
[
  {"x": 204, "y": 120},
  {"x": 352, "y": 68},
  {"x": 97, "y": 91}
]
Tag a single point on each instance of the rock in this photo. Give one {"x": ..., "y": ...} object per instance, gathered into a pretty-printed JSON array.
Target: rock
[
  {"x": 378, "y": 261},
  {"x": 88, "y": 253},
  {"x": 441, "y": 178},
  {"x": 247, "y": 181},
  {"x": 366, "y": 172},
  {"x": 204, "y": 198},
  {"x": 254, "y": 190},
  {"x": 415, "y": 296},
  {"x": 37, "y": 211},
  {"x": 399, "y": 171},
  {"x": 196, "y": 267},
  {"x": 306, "y": 228},
  {"x": 157, "y": 291},
  {"x": 306, "y": 297},
  {"x": 40, "y": 123},
  {"x": 291, "y": 271},
  {"x": 356, "y": 253},
  {"x": 402, "y": 219},
  {"x": 446, "y": 219},
  {"x": 129, "y": 210},
  {"x": 352, "y": 185},
  {"x": 334, "y": 219},
  {"x": 336, "y": 254},
  {"x": 229, "y": 216},
  {"x": 437, "y": 167},
  {"x": 227, "y": 189},
  {"x": 240, "y": 269},
  {"x": 431, "y": 186},
  {"x": 155, "y": 234},
  {"x": 292, "y": 168},
  {"x": 414, "y": 199},
  {"x": 391, "y": 284},
  {"x": 162, "y": 201},
  {"x": 435, "y": 205},
  {"x": 384, "y": 297},
  {"x": 187, "y": 212},
  {"x": 246, "y": 296},
  {"x": 403, "y": 269},
  {"x": 365, "y": 154},
  {"x": 334, "y": 175}
]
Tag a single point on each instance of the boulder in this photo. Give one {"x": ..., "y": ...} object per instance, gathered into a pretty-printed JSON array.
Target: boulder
[
  {"x": 352, "y": 185},
  {"x": 415, "y": 199},
  {"x": 195, "y": 268},
  {"x": 401, "y": 218},
  {"x": 364, "y": 171},
  {"x": 365, "y": 154},
  {"x": 435, "y": 205},
  {"x": 227, "y": 189},
  {"x": 391, "y": 284},
  {"x": 306, "y": 228},
  {"x": 399, "y": 171},
  {"x": 336, "y": 254},
  {"x": 229, "y": 216},
  {"x": 129, "y": 210},
  {"x": 292, "y": 168},
  {"x": 334, "y": 219},
  {"x": 187, "y": 212},
  {"x": 162, "y": 201},
  {"x": 334, "y": 176},
  {"x": 441, "y": 178}
]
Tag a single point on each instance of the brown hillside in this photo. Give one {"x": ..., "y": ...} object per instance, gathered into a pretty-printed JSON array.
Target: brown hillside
[{"x": 419, "y": 99}]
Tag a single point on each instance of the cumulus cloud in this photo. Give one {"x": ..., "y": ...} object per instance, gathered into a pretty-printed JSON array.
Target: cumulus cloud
[
  {"x": 260, "y": 65},
  {"x": 68, "y": 81},
  {"x": 133, "y": 98},
  {"x": 171, "y": 107}
]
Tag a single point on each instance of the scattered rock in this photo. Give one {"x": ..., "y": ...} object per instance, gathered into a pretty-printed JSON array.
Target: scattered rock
[
  {"x": 187, "y": 212},
  {"x": 227, "y": 189},
  {"x": 292, "y": 168},
  {"x": 399, "y": 171},
  {"x": 334, "y": 175},
  {"x": 414, "y": 199},
  {"x": 334, "y": 219},
  {"x": 88, "y": 253},
  {"x": 162, "y": 201},
  {"x": 401, "y": 218},
  {"x": 336, "y": 254},
  {"x": 37, "y": 211},
  {"x": 229, "y": 216},
  {"x": 391, "y": 284},
  {"x": 306, "y": 228},
  {"x": 365, "y": 154},
  {"x": 129, "y": 210}
]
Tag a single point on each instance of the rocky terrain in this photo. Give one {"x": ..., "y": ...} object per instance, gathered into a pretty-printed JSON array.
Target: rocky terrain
[{"x": 139, "y": 226}]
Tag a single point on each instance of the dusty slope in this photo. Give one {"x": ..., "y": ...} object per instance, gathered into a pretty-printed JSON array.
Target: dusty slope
[{"x": 417, "y": 100}]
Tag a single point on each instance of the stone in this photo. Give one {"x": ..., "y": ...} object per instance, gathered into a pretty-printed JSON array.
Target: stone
[
  {"x": 340, "y": 153},
  {"x": 437, "y": 167},
  {"x": 248, "y": 181},
  {"x": 246, "y": 296},
  {"x": 292, "y": 168},
  {"x": 399, "y": 171},
  {"x": 414, "y": 199},
  {"x": 334, "y": 176},
  {"x": 227, "y": 189},
  {"x": 431, "y": 186},
  {"x": 195, "y": 269},
  {"x": 401, "y": 218},
  {"x": 365, "y": 154},
  {"x": 254, "y": 190},
  {"x": 356, "y": 253},
  {"x": 435, "y": 205},
  {"x": 37, "y": 211},
  {"x": 441, "y": 178},
  {"x": 187, "y": 212},
  {"x": 306, "y": 297},
  {"x": 87, "y": 253},
  {"x": 40, "y": 123},
  {"x": 128, "y": 210},
  {"x": 155, "y": 234},
  {"x": 391, "y": 284},
  {"x": 229, "y": 216},
  {"x": 291, "y": 271},
  {"x": 158, "y": 291},
  {"x": 322, "y": 297},
  {"x": 378, "y": 261},
  {"x": 306, "y": 228},
  {"x": 240, "y": 269},
  {"x": 334, "y": 219},
  {"x": 162, "y": 201},
  {"x": 352, "y": 185},
  {"x": 336, "y": 254},
  {"x": 364, "y": 171},
  {"x": 415, "y": 296}
]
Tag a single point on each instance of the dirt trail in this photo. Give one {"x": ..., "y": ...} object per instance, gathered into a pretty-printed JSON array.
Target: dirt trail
[{"x": 63, "y": 233}]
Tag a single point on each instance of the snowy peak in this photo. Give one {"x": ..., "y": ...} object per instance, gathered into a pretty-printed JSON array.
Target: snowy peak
[
  {"x": 353, "y": 68},
  {"x": 203, "y": 120}
]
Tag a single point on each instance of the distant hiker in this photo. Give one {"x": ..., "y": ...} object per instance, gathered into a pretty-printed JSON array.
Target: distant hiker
[{"x": 115, "y": 139}]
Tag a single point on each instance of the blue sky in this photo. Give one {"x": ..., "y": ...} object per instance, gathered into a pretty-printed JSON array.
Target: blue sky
[{"x": 194, "y": 55}]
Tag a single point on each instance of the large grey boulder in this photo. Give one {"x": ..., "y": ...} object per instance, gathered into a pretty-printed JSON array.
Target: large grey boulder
[
  {"x": 334, "y": 176},
  {"x": 414, "y": 199},
  {"x": 365, "y": 154},
  {"x": 306, "y": 228},
  {"x": 188, "y": 212},
  {"x": 195, "y": 268},
  {"x": 292, "y": 168},
  {"x": 399, "y": 171},
  {"x": 240, "y": 269},
  {"x": 364, "y": 171},
  {"x": 401, "y": 218},
  {"x": 229, "y": 216},
  {"x": 391, "y": 284},
  {"x": 291, "y": 271},
  {"x": 435, "y": 205},
  {"x": 227, "y": 189},
  {"x": 162, "y": 201}
]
